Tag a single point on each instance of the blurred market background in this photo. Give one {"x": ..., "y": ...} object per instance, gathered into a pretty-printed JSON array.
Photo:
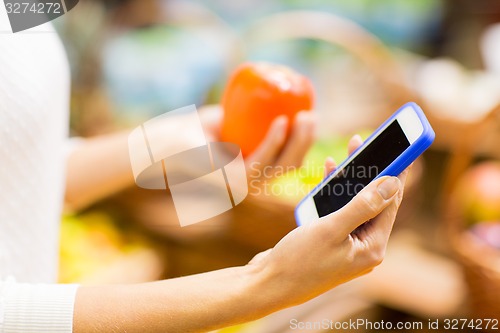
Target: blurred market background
[{"x": 134, "y": 59}]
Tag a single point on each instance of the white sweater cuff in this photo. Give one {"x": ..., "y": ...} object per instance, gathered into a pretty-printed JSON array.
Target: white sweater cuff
[{"x": 36, "y": 307}]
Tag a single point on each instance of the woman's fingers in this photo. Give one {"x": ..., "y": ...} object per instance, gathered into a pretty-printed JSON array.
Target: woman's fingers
[
  {"x": 300, "y": 140},
  {"x": 366, "y": 205},
  {"x": 269, "y": 149},
  {"x": 379, "y": 229},
  {"x": 354, "y": 143},
  {"x": 385, "y": 222},
  {"x": 278, "y": 150},
  {"x": 330, "y": 165}
]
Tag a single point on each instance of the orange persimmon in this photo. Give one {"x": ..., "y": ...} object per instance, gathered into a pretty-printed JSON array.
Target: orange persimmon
[{"x": 255, "y": 95}]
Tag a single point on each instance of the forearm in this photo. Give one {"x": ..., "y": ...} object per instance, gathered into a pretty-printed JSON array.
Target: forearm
[
  {"x": 195, "y": 303},
  {"x": 97, "y": 168}
]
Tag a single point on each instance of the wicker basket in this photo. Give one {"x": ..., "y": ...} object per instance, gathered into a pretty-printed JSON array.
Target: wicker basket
[{"x": 481, "y": 263}]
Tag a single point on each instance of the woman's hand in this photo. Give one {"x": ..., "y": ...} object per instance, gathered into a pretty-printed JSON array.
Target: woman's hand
[
  {"x": 305, "y": 263},
  {"x": 337, "y": 248}
]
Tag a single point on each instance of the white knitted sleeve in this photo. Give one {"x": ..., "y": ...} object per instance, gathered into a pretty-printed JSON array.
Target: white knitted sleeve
[{"x": 36, "y": 307}]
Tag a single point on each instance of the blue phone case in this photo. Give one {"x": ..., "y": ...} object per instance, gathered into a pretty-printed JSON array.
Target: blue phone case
[{"x": 402, "y": 161}]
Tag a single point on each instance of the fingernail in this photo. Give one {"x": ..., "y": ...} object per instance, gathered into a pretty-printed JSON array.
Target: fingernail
[
  {"x": 357, "y": 137},
  {"x": 300, "y": 116},
  {"x": 281, "y": 123},
  {"x": 388, "y": 188}
]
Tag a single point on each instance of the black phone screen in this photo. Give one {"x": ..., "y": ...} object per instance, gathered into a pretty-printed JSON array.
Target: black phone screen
[{"x": 367, "y": 165}]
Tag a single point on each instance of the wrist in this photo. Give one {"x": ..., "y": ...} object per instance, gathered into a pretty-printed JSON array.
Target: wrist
[{"x": 264, "y": 287}]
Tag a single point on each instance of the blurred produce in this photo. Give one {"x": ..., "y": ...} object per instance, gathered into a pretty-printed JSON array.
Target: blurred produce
[
  {"x": 455, "y": 93},
  {"x": 490, "y": 48},
  {"x": 473, "y": 214},
  {"x": 256, "y": 94},
  {"x": 488, "y": 232},
  {"x": 94, "y": 250},
  {"x": 478, "y": 193}
]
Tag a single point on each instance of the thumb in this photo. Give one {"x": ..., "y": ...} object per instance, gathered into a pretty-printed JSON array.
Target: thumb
[{"x": 366, "y": 205}]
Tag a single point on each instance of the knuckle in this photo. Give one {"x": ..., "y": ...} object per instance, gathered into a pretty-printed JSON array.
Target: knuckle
[
  {"x": 374, "y": 255},
  {"x": 378, "y": 260},
  {"x": 351, "y": 256},
  {"x": 369, "y": 204},
  {"x": 377, "y": 256}
]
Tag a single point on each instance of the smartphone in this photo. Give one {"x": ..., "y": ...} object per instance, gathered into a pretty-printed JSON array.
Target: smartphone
[{"x": 387, "y": 152}]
